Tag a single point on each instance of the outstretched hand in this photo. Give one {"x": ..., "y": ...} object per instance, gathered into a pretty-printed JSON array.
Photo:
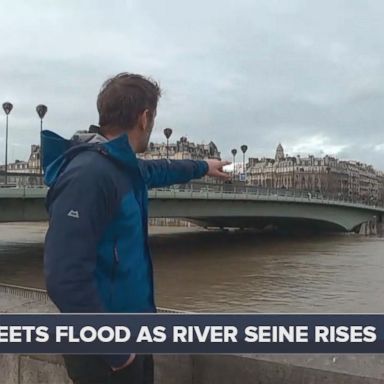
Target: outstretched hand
[{"x": 215, "y": 169}]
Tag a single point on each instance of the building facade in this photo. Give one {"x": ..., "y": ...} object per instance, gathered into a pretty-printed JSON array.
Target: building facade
[
  {"x": 32, "y": 165},
  {"x": 181, "y": 150},
  {"x": 350, "y": 180},
  {"x": 21, "y": 173}
]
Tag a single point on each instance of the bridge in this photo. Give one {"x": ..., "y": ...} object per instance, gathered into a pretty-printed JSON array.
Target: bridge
[{"x": 222, "y": 206}]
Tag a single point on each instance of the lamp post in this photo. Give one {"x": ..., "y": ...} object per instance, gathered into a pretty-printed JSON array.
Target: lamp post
[
  {"x": 7, "y": 106},
  {"x": 167, "y": 133},
  {"x": 244, "y": 149},
  {"x": 234, "y": 152},
  {"x": 41, "y": 110}
]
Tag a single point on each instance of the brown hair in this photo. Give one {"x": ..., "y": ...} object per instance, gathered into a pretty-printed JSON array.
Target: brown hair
[{"x": 124, "y": 97}]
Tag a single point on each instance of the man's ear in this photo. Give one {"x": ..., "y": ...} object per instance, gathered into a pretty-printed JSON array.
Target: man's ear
[
  {"x": 148, "y": 119},
  {"x": 144, "y": 119},
  {"x": 141, "y": 121}
]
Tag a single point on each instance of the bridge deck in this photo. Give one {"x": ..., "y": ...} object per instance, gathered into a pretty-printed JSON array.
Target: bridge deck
[{"x": 174, "y": 193}]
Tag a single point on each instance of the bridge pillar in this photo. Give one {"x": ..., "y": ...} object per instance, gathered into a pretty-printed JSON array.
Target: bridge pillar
[
  {"x": 373, "y": 226},
  {"x": 380, "y": 225}
]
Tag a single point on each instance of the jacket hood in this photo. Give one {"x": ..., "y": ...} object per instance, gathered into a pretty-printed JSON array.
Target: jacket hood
[
  {"x": 87, "y": 137},
  {"x": 57, "y": 151}
]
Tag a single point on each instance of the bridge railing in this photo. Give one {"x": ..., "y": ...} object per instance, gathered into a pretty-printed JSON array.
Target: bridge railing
[
  {"x": 195, "y": 189},
  {"x": 202, "y": 190}
]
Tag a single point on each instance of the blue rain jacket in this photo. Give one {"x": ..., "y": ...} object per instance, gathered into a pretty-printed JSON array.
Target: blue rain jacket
[{"x": 96, "y": 256}]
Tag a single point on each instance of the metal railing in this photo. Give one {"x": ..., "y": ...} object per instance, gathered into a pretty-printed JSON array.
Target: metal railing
[
  {"x": 41, "y": 295},
  {"x": 200, "y": 190}
]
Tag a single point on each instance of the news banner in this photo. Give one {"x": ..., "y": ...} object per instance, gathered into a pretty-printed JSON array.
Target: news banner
[{"x": 191, "y": 333}]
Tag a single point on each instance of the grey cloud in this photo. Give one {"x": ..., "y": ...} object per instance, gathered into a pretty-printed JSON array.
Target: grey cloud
[{"x": 255, "y": 72}]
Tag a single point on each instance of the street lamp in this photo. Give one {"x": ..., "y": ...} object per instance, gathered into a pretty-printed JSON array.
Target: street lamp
[
  {"x": 167, "y": 133},
  {"x": 7, "y": 109},
  {"x": 234, "y": 152},
  {"x": 244, "y": 149},
  {"x": 41, "y": 110}
]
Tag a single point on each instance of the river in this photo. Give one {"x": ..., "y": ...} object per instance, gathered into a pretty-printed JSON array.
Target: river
[{"x": 209, "y": 271}]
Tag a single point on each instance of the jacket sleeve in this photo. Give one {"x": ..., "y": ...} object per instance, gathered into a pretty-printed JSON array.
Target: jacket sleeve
[{"x": 161, "y": 173}]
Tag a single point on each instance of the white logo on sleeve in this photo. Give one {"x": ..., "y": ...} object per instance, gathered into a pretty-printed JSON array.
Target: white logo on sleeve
[{"x": 74, "y": 214}]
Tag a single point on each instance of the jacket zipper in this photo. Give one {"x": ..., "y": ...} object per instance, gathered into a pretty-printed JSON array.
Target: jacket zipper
[
  {"x": 115, "y": 253},
  {"x": 114, "y": 266}
]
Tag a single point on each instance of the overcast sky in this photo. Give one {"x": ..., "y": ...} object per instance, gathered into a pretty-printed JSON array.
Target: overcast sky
[{"x": 306, "y": 73}]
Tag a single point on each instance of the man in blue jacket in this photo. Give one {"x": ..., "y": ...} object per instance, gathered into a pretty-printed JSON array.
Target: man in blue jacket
[{"x": 96, "y": 256}]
